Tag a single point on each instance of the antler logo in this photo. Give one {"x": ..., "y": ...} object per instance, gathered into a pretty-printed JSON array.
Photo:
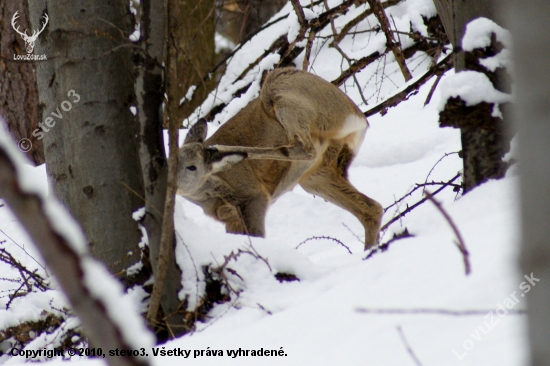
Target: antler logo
[{"x": 29, "y": 40}]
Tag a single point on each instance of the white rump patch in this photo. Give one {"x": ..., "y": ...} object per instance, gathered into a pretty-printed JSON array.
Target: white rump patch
[{"x": 353, "y": 130}]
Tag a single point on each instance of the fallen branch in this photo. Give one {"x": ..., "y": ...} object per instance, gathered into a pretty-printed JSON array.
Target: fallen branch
[
  {"x": 435, "y": 311},
  {"x": 460, "y": 242},
  {"x": 408, "y": 346},
  {"x": 383, "y": 247}
]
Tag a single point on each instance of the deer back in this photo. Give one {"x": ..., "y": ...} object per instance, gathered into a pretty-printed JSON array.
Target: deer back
[
  {"x": 252, "y": 127},
  {"x": 311, "y": 103}
]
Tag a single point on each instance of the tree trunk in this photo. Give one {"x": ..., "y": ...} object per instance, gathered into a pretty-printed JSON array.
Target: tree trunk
[
  {"x": 91, "y": 151},
  {"x": 528, "y": 21},
  {"x": 150, "y": 89},
  {"x": 18, "y": 88},
  {"x": 485, "y": 142}
]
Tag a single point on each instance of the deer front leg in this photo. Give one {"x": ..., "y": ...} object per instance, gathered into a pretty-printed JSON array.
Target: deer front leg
[
  {"x": 231, "y": 216},
  {"x": 248, "y": 220}
]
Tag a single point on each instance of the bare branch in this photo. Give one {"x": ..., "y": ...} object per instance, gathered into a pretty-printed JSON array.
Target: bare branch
[
  {"x": 409, "y": 209},
  {"x": 358, "y": 19},
  {"x": 437, "y": 162},
  {"x": 358, "y": 66},
  {"x": 460, "y": 242},
  {"x": 392, "y": 43},
  {"x": 441, "y": 67},
  {"x": 310, "y": 38},
  {"x": 383, "y": 247}
]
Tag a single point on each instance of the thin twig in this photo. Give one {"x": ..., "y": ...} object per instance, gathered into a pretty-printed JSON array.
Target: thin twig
[
  {"x": 437, "y": 162},
  {"x": 352, "y": 233},
  {"x": 327, "y": 238},
  {"x": 460, "y": 242},
  {"x": 442, "y": 67},
  {"x": 355, "y": 21},
  {"x": 410, "y": 208},
  {"x": 430, "y": 94},
  {"x": 408, "y": 346},
  {"x": 27, "y": 253}
]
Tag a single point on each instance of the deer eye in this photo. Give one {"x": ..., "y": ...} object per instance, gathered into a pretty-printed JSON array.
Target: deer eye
[{"x": 192, "y": 168}]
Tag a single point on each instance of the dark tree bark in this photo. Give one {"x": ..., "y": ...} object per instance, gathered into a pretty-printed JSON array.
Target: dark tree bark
[
  {"x": 528, "y": 22},
  {"x": 485, "y": 140},
  {"x": 18, "y": 88},
  {"x": 196, "y": 53},
  {"x": 242, "y": 18},
  {"x": 91, "y": 152}
]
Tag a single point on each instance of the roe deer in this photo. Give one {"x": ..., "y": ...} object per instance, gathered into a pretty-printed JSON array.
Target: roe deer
[{"x": 300, "y": 130}]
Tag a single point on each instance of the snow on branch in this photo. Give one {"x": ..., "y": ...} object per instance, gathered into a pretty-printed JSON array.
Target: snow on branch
[
  {"x": 370, "y": 52},
  {"x": 108, "y": 319}
]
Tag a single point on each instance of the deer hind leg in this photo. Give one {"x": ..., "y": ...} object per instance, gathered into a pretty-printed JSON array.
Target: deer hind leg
[
  {"x": 330, "y": 182},
  {"x": 294, "y": 118}
]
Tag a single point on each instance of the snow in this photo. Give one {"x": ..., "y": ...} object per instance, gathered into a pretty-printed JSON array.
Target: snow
[
  {"x": 316, "y": 320},
  {"x": 478, "y": 34},
  {"x": 321, "y": 319},
  {"x": 293, "y": 27},
  {"x": 123, "y": 312},
  {"x": 239, "y": 103},
  {"x": 472, "y": 87}
]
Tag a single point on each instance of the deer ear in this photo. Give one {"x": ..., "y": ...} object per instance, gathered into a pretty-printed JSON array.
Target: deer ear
[
  {"x": 220, "y": 161},
  {"x": 197, "y": 132}
]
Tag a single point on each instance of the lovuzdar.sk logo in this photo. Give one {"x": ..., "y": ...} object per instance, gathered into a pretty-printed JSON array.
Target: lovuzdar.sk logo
[{"x": 29, "y": 40}]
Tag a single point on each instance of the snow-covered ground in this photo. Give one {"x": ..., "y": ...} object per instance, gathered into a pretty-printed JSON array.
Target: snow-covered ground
[
  {"x": 318, "y": 320},
  {"x": 335, "y": 314}
]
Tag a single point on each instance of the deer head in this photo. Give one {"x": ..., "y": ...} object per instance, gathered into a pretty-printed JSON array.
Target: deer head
[
  {"x": 29, "y": 40},
  {"x": 196, "y": 162}
]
